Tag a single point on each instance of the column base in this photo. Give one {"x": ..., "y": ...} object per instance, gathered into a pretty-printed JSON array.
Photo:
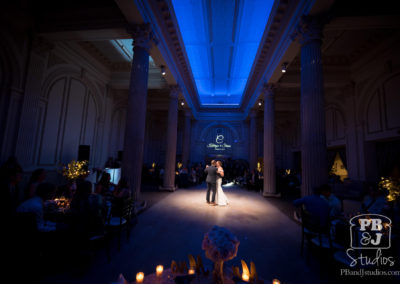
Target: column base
[
  {"x": 267, "y": 194},
  {"x": 167, "y": 188}
]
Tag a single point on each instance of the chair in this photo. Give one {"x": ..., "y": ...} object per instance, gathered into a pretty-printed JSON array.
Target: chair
[
  {"x": 316, "y": 233},
  {"x": 100, "y": 241},
  {"x": 308, "y": 227},
  {"x": 341, "y": 256},
  {"x": 122, "y": 219},
  {"x": 26, "y": 240}
]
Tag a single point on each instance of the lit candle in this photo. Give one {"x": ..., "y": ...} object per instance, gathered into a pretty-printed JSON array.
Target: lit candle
[
  {"x": 276, "y": 281},
  {"x": 245, "y": 277},
  {"x": 159, "y": 270},
  {"x": 191, "y": 271},
  {"x": 139, "y": 277}
]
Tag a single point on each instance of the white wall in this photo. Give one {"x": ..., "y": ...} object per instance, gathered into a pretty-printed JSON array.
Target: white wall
[{"x": 60, "y": 106}]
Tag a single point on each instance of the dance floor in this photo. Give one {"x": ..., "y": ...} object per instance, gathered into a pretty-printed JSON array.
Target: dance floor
[{"x": 174, "y": 227}]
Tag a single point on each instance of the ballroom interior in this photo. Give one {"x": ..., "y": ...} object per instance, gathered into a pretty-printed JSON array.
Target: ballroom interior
[{"x": 148, "y": 88}]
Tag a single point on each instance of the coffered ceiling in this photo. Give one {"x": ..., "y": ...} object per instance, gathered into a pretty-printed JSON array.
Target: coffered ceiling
[{"x": 221, "y": 39}]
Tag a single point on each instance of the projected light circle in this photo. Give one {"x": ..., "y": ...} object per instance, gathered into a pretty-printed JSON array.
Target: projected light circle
[{"x": 220, "y": 144}]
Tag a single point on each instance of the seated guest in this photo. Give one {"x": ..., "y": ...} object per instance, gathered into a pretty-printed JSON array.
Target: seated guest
[
  {"x": 374, "y": 202},
  {"x": 122, "y": 189},
  {"x": 35, "y": 205},
  {"x": 259, "y": 181},
  {"x": 121, "y": 193},
  {"x": 10, "y": 192},
  {"x": 316, "y": 206},
  {"x": 109, "y": 163},
  {"x": 183, "y": 170},
  {"x": 103, "y": 186},
  {"x": 161, "y": 175},
  {"x": 253, "y": 182},
  {"x": 193, "y": 175},
  {"x": 85, "y": 211},
  {"x": 334, "y": 203},
  {"x": 183, "y": 177},
  {"x": 37, "y": 177},
  {"x": 11, "y": 164}
]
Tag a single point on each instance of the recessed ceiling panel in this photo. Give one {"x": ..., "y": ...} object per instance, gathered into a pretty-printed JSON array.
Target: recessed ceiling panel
[{"x": 221, "y": 38}]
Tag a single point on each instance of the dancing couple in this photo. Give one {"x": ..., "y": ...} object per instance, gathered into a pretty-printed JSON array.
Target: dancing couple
[{"x": 215, "y": 173}]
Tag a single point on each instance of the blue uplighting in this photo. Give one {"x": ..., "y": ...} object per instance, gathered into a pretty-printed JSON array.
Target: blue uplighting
[{"x": 221, "y": 38}]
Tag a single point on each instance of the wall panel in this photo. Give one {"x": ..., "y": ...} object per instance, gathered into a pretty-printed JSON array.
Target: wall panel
[
  {"x": 374, "y": 123},
  {"x": 392, "y": 102},
  {"x": 52, "y": 124},
  {"x": 73, "y": 120}
]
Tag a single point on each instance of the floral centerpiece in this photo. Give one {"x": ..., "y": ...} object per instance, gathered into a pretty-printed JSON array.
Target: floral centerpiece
[
  {"x": 220, "y": 245},
  {"x": 392, "y": 186},
  {"x": 74, "y": 170}
]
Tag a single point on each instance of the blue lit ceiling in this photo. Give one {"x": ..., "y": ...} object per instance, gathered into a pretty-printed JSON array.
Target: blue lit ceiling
[{"x": 221, "y": 39}]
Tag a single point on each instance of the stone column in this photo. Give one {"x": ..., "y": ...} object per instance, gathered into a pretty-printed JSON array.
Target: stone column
[
  {"x": 172, "y": 131},
  {"x": 186, "y": 138},
  {"x": 312, "y": 107},
  {"x": 253, "y": 140},
  {"x": 132, "y": 160},
  {"x": 269, "y": 141}
]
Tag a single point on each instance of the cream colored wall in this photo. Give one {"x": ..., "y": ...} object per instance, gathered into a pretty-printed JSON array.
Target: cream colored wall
[
  {"x": 361, "y": 110},
  {"x": 61, "y": 105},
  {"x": 13, "y": 57}
]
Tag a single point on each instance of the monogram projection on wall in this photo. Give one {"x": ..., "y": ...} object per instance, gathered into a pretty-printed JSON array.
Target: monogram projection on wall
[{"x": 219, "y": 141}]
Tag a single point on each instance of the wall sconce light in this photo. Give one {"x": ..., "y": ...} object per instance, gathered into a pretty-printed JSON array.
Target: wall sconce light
[
  {"x": 284, "y": 67},
  {"x": 259, "y": 102},
  {"x": 182, "y": 102},
  {"x": 163, "y": 70}
]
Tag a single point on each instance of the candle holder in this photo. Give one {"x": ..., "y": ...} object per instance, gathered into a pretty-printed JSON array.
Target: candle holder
[
  {"x": 276, "y": 281},
  {"x": 159, "y": 270},
  {"x": 245, "y": 277},
  {"x": 139, "y": 277}
]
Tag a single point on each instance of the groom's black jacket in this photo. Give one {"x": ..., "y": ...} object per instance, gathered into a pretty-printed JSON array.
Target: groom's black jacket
[{"x": 211, "y": 174}]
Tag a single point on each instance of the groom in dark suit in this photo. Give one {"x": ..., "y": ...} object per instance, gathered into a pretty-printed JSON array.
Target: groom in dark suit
[{"x": 211, "y": 180}]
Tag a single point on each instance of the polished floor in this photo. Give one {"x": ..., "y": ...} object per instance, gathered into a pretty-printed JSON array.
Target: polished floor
[{"x": 174, "y": 226}]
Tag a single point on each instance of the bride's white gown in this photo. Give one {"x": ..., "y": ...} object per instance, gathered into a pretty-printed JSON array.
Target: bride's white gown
[{"x": 220, "y": 197}]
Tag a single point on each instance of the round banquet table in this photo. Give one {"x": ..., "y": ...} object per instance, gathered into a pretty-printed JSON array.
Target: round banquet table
[{"x": 169, "y": 278}]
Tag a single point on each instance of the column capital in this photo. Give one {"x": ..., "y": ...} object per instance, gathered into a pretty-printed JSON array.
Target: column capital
[
  {"x": 269, "y": 91},
  {"x": 142, "y": 36},
  {"x": 174, "y": 91},
  {"x": 309, "y": 29}
]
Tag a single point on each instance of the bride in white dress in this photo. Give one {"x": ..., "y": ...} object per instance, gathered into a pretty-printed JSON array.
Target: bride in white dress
[{"x": 220, "y": 197}]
